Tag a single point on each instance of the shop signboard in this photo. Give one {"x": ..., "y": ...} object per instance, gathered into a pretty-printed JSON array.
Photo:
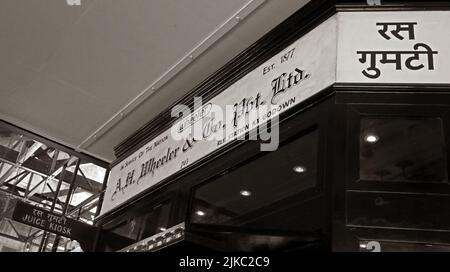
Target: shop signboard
[
  {"x": 350, "y": 47},
  {"x": 394, "y": 47},
  {"x": 51, "y": 222},
  {"x": 298, "y": 72}
]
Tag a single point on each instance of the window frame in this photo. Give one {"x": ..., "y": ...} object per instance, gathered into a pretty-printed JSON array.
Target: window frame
[
  {"x": 356, "y": 112},
  {"x": 292, "y": 127}
]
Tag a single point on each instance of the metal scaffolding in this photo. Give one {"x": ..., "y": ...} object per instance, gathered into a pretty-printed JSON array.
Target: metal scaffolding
[{"x": 49, "y": 176}]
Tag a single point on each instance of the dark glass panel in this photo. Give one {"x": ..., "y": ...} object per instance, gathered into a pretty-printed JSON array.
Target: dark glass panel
[
  {"x": 402, "y": 150},
  {"x": 251, "y": 195}
]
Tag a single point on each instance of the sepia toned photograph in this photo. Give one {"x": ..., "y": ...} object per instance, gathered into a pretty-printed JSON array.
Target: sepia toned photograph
[{"x": 224, "y": 135}]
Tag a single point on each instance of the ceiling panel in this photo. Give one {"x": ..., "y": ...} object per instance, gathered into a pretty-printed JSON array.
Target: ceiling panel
[
  {"x": 120, "y": 47},
  {"x": 65, "y": 70},
  {"x": 60, "y": 108},
  {"x": 254, "y": 27},
  {"x": 14, "y": 76},
  {"x": 30, "y": 31}
]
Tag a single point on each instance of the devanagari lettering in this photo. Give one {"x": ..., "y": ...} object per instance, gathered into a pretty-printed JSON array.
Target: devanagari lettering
[
  {"x": 372, "y": 67},
  {"x": 397, "y": 59},
  {"x": 399, "y": 27},
  {"x": 428, "y": 51},
  {"x": 386, "y": 57}
]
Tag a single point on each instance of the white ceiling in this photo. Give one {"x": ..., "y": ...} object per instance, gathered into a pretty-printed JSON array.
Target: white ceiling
[{"x": 66, "y": 70}]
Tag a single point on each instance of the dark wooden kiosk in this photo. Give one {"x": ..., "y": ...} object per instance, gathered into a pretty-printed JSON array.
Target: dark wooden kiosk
[{"x": 362, "y": 163}]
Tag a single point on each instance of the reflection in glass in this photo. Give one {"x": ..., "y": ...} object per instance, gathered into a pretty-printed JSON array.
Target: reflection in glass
[
  {"x": 402, "y": 149},
  {"x": 397, "y": 210},
  {"x": 148, "y": 222},
  {"x": 156, "y": 220}
]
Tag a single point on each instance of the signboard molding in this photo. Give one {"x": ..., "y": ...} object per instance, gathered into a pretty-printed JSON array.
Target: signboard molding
[
  {"x": 276, "y": 40},
  {"x": 337, "y": 70},
  {"x": 298, "y": 72}
]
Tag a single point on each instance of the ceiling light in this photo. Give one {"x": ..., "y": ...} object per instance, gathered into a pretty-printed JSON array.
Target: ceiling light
[
  {"x": 371, "y": 138},
  {"x": 200, "y": 213},
  {"x": 245, "y": 193},
  {"x": 299, "y": 169},
  {"x": 162, "y": 229}
]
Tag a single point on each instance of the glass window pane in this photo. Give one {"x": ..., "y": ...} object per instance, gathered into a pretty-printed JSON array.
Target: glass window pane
[
  {"x": 151, "y": 220},
  {"x": 89, "y": 176},
  {"x": 251, "y": 192},
  {"x": 156, "y": 220},
  {"x": 402, "y": 149},
  {"x": 407, "y": 211},
  {"x": 10, "y": 144},
  {"x": 128, "y": 229},
  {"x": 92, "y": 172}
]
